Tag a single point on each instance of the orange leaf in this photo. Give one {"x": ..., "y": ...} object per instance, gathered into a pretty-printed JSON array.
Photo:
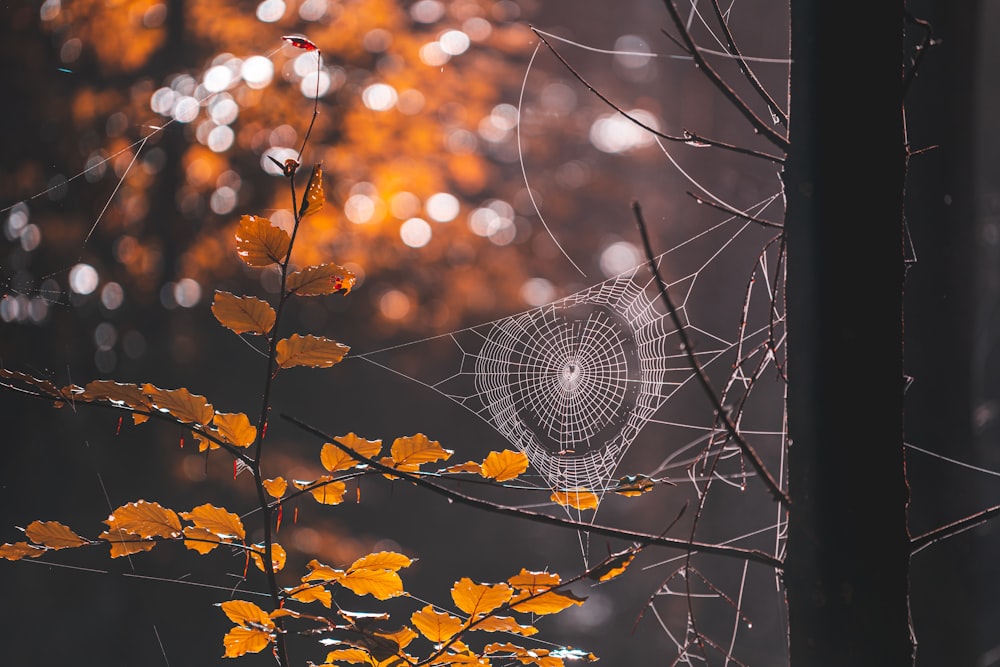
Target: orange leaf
[
  {"x": 240, "y": 641},
  {"x": 275, "y": 487},
  {"x": 504, "y": 465},
  {"x": 546, "y": 603},
  {"x": 352, "y": 655},
  {"x": 123, "y": 394},
  {"x": 320, "y": 572},
  {"x": 581, "y": 499},
  {"x": 246, "y": 614},
  {"x": 436, "y": 626},
  {"x": 235, "y": 428},
  {"x": 478, "y": 599},
  {"x": 613, "y": 565},
  {"x": 217, "y": 521},
  {"x": 381, "y": 584},
  {"x": 320, "y": 279},
  {"x": 312, "y": 594},
  {"x": 534, "y": 582},
  {"x": 20, "y": 550},
  {"x": 314, "y": 351},
  {"x": 243, "y": 314},
  {"x": 181, "y": 404},
  {"x": 313, "y": 199},
  {"x": 382, "y": 560},
  {"x": 505, "y": 624},
  {"x": 468, "y": 466},
  {"x": 324, "y": 490},
  {"x": 278, "y": 557},
  {"x": 259, "y": 243},
  {"x": 200, "y": 540},
  {"x": 53, "y": 535},
  {"x": 334, "y": 459},
  {"x": 125, "y": 544},
  {"x": 144, "y": 519},
  {"x": 410, "y": 452},
  {"x": 402, "y": 637}
]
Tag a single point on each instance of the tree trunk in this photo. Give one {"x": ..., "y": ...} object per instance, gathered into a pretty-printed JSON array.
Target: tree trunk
[{"x": 848, "y": 549}]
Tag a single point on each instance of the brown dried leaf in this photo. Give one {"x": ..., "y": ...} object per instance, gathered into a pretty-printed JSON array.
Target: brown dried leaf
[
  {"x": 313, "y": 199},
  {"x": 181, "y": 404},
  {"x": 53, "y": 535},
  {"x": 144, "y": 519},
  {"x": 19, "y": 550},
  {"x": 243, "y": 314},
  {"x": 320, "y": 280},
  {"x": 259, "y": 243},
  {"x": 314, "y": 351},
  {"x": 216, "y": 520}
]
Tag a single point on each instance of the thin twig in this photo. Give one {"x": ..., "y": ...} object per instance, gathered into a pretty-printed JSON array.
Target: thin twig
[
  {"x": 734, "y": 211},
  {"x": 634, "y": 536},
  {"x": 706, "y": 384},
  {"x": 921, "y": 542}
]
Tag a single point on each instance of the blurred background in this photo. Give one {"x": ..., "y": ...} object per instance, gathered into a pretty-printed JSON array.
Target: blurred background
[{"x": 469, "y": 176}]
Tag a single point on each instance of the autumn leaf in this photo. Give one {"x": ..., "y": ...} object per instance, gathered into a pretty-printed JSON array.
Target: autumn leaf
[
  {"x": 544, "y": 603},
  {"x": 314, "y": 351},
  {"x": 200, "y": 540},
  {"x": 381, "y": 584},
  {"x": 468, "y": 466},
  {"x": 311, "y": 593},
  {"x": 320, "y": 572},
  {"x": 402, "y": 637},
  {"x": 534, "y": 582},
  {"x": 351, "y": 655},
  {"x": 384, "y": 560},
  {"x": 409, "y": 453},
  {"x": 118, "y": 393},
  {"x": 581, "y": 499},
  {"x": 275, "y": 487},
  {"x": 505, "y": 624},
  {"x": 539, "y": 657},
  {"x": 125, "y": 544},
  {"x": 612, "y": 566},
  {"x": 53, "y": 535},
  {"x": 479, "y": 599},
  {"x": 44, "y": 386},
  {"x": 278, "y": 557},
  {"x": 240, "y": 641},
  {"x": 246, "y": 614},
  {"x": 243, "y": 314},
  {"x": 216, "y": 520},
  {"x": 320, "y": 280},
  {"x": 144, "y": 519},
  {"x": 334, "y": 459},
  {"x": 259, "y": 243},
  {"x": 313, "y": 199},
  {"x": 505, "y": 465},
  {"x": 633, "y": 485},
  {"x": 181, "y": 404},
  {"x": 19, "y": 550},
  {"x": 235, "y": 428},
  {"x": 324, "y": 490},
  {"x": 436, "y": 626}
]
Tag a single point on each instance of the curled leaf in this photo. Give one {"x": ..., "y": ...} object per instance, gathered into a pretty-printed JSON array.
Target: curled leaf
[
  {"x": 259, "y": 243},
  {"x": 633, "y": 485},
  {"x": 278, "y": 557},
  {"x": 300, "y": 42},
  {"x": 312, "y": 593},
  {"x": 314, "y": 351},
  {"x": 612, "y": 566},
  {"x": 505, "y": 624},
  {"x": 243, "y": 314},
  {"x": 320, "y": 279},
  {"x": 314, "y": 198}
]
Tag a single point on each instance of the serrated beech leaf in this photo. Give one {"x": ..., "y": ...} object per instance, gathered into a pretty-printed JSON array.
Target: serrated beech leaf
[
  {"x": 505, "y": 624},
  {"x": 122, "y": 394},
  {"x": 410, "y": 452},
  {"x": 180, "y": 404},
  {"x": 235, "y": 428},
  {"x": 324, "y": 490},
  {"x": 53, "y": 535},
  {"x": 334, "y": 459},
  {"x": 278, "y": 557},
  {"x": 505, "y": 465},
  {"x": 534, "y": 582},
  {"x": 216, "y": 520},
  {"x": 125, "y": 544},
  {"x": 436, "y": 626},
  {"x": 313, "y": 199},
  {"x": 240, "y": 641},
  {"x": 246, "y": 614},
  {"x": 259, "y": 243},
  {"x": 314, "y": 351},
  {"x": 381, "y": 584},
  {"x": 320, "y": 280},
  {"x": 581, "y": 499},
  {"x": 479, "y": 599},
  {"x": 381, "y": 560},
  {"x": 19, "y": 550},
  {"x": 544, "y": 603},
  {"x": 144, "y": 519},
  {"x": 243, "y": 314},
  {"x": 312, "y": 593},
  {"x": 200, "y": 540}
]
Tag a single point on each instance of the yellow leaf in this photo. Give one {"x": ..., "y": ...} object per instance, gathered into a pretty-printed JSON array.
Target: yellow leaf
[
  {"x": 504, "y": 465},
  {"x": 436, "y": 626},
  {"x": 468, "y": 466},
  {"x": 479, "y": 599},
  {"x": 309, "y": 593},
  {"x": 352, "y": 655},
  {"x": 367, "y": 448},
  {"x": 381, "y": 584},
  {"x": 612, "y": 566},
  {"x": 313, "y": 199},
  {"x": 334, "y": 459},
  {"x": 402, "y": 637},
  {"x": 275, "y": 487},
  {"x": 240, "y": 641},
  {"x": 581, "y": 499},
  {"x": 382, "y": 560},
  {"x": 243, "y": 314},
  {"x": 122, "y": 394},
  {"x": 217, "y": 521},
  {"x": 633, "y": 485},
  {"x": 125, "y": 544},
  {"x": 53, "y": 535},
  {"x": 328, "y": 492},
  {"x": 235, "y": 428},
  {"x": 259, "y": 243},
  {"x": 144, "y": 519},
  {"x": 181, "y": 404},
  {"x": 320, "y": 279},
  {"x": 410, "y": 452},
  {"x": 314, "y": 351},
  {"x": 19, "y": 550},
  {"x": 278, "y": 557},
  {"x": 200, "y": 540},
  {"x": 203, "y": 442},
  {"x": 534, "y": 582},
  {"x": 545, "y": 603},
  {"x": 246, "y": 614},
  {"x": 505, "y": 624}
]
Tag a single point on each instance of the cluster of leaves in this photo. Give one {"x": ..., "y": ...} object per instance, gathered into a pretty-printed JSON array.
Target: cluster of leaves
[{"x": 508, "y": 607}]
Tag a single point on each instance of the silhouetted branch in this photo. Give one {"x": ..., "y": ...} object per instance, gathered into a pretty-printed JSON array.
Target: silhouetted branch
[{"x": 921, "y": 542}]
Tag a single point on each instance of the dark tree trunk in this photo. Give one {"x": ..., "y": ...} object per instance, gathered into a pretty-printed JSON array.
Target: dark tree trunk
[{"x": 848, "y": 549}]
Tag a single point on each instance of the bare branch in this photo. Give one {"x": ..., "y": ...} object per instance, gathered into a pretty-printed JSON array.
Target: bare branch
[{"x": 921, "y": 542}]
